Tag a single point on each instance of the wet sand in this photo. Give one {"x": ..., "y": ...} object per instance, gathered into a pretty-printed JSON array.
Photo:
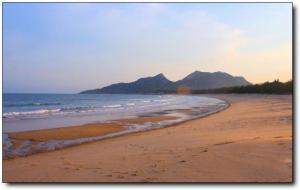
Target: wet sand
[
  {"x": 83, "y": 131},
  {"x": 141, "y": 120},
  {"x": 251, "y": 141}
]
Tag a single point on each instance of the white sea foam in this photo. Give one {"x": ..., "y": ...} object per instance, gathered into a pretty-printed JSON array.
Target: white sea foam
[
  {"x": 130, "y": 104},
  {"x": 113, "y": 106},
  {"x": 36, "y": 112}
]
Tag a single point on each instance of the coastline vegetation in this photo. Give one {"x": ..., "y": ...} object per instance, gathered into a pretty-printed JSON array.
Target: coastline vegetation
[{"x": 275, "y": 87}]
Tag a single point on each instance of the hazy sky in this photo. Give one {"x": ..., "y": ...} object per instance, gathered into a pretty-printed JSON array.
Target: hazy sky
[{"x": 67, "y": 47}]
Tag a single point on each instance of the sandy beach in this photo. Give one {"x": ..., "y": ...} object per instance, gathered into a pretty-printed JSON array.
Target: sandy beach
[{"x": 251, "y": 141}]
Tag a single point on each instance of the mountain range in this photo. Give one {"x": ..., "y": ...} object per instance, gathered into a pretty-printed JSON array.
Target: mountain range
[{"x": 160, "y": 84}]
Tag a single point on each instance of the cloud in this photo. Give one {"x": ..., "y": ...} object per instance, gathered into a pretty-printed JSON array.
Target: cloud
[{"x": 108, "y": 43}]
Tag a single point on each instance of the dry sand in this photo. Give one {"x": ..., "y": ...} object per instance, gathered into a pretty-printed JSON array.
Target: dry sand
[{"x": 251, "y": 141}]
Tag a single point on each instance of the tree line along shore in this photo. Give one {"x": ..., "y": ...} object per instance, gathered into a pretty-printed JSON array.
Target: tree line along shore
[{"x": 275, "y": 87}]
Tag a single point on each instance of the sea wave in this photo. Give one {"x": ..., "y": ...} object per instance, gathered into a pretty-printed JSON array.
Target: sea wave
[
  {"x": 45, "y": 112},
  {"x": 113, "y": 106},
  {"x": 78, "y": 108},
  {"x": 130, "y": 104},
  {"x": 31, "y": 104},
  {"x": 35, "y": 112},
  {"x": 60, "y": 111}
]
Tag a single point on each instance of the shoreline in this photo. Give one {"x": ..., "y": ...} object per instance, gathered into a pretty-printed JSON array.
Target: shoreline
[
  {"x": 92, "y": 132},
  {"x": 212, "y": 134}
]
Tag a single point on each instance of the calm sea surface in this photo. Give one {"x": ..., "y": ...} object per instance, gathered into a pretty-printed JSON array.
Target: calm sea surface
[{"x": 23, "y": 112}]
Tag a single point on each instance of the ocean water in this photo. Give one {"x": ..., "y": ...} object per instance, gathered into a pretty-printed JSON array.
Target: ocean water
[{"x": 24, "y": 112}]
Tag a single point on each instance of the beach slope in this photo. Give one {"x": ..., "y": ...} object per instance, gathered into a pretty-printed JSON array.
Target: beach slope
[{"x": 251, "y": 141}]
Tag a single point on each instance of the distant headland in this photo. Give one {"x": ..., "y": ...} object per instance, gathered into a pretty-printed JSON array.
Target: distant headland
[{"x": 160, "y": 84}]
